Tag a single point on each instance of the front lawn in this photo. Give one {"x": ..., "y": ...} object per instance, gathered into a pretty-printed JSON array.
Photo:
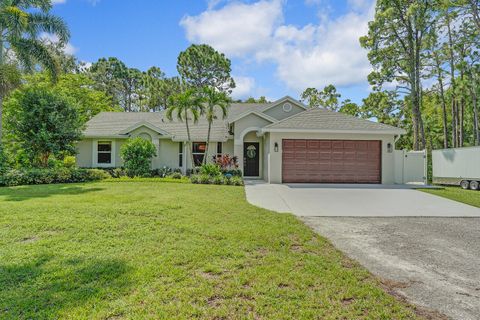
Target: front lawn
[
  {"x": 470, "y": 197},
  {"x": 123, "y": 250}
]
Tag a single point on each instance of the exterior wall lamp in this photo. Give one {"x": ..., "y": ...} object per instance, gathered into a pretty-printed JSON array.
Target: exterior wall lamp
[
  {"x": 275, "y": 148},
  {"x": 389, "y": 147}
]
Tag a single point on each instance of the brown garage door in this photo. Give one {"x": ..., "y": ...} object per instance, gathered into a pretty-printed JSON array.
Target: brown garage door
[{"x": 332, "y": 161}]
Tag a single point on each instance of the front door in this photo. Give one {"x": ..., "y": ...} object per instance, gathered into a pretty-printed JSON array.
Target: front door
[{"x": 251, "y": 159}]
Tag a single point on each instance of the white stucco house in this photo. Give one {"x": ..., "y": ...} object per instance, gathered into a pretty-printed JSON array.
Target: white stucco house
[{"x": 278, "y": 142}]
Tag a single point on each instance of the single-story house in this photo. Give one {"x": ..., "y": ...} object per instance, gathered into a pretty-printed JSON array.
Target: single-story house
[{"x": 278, "y": 142}]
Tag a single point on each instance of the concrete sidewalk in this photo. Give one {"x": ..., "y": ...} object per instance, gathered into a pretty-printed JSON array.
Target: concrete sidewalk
[{"x": 354, "y": 201}]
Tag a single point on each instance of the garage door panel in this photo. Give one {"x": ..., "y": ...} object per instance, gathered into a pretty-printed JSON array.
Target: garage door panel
[{"x": 331, "y": 161}]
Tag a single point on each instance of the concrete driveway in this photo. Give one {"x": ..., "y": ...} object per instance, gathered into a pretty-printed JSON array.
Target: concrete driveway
[
  {"x": 418, "y": 243},
  {"x": 353, "y": 201},
  {"x": 433, "y": 262}
]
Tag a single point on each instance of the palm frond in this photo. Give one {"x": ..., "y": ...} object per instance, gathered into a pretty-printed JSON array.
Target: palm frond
[
  {"x": 32, "y": 50},
  {"x": 45, "y": 22},
  {"x": 44, "y": 5},
  {"x": 14, "y": 20}
]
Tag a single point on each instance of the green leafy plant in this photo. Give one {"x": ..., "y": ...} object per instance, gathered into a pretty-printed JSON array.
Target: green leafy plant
[
  {"x": 137, "y": 154},
  {"x": 205, "y": 179},
  {"x": 176, "y": 175},
  {"x": 210, "y": 169},
  {"x": 44, "y": 123},
  {"x": 17, "y": 177},
  {"x": 69, "y": 162}
]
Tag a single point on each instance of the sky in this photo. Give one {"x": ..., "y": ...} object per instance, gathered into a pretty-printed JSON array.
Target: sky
[{"x": 277, "y": 47}]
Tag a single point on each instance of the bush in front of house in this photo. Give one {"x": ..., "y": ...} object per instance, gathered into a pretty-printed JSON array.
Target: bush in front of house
[
  {"x": 45, "y": 124},
  {"x": 137, "y": 154},
  {"x": 212, "y": 173},
  {"x": 210, "y": 169},
  {"x": 17, "y": 177}
]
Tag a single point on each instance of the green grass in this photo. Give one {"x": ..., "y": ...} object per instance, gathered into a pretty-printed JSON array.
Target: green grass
[
  {"x": 139, "y": 250},
  {"x": 470, "y": 197}
]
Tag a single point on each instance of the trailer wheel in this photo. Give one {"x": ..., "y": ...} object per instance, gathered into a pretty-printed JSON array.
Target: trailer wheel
[
  {"x": 474, "y": 185},
  {"x": 465, "y": 184}
]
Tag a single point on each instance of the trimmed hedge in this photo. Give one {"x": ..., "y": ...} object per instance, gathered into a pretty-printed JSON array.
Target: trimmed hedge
[
  {"x": 219, "y": 179},
  {"x": 15, "y": 177}
]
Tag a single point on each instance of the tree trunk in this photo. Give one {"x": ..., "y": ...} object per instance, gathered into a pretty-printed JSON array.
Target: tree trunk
[
  {"x": 208, "y": 142},
  {"x": 452, "y": 84},
  {"x": 189, "y": 142},
  {"x": 442, "y": 99},
  {"x": 476, "y": 131},
  {"x": 475, "y": 13},
  {"x": 1, "y": 118},
  {"x": 1, "y": 89},
  {"x": 461, "y": 117}
]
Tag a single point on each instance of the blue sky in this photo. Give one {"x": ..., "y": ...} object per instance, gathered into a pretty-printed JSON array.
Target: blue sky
[{"x": 277, "y": 47}]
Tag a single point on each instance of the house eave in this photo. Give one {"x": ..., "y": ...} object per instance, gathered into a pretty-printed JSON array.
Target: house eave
[{"x": 377, "y": 132}]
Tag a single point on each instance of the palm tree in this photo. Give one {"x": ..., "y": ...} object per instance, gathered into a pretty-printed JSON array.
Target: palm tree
[
  {"x": 214, "y": 99},
  {"x": 185, "y": 105},
  {"x": 22, "y": 23}
]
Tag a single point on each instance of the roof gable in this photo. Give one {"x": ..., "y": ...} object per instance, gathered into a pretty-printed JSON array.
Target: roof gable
[
  {"x": 144, "y": 124},
  {"x": 283, "y": 100},
  {"x": 256, "y": 113}
]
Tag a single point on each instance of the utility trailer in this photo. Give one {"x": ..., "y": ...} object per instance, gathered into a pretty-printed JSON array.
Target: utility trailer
[{"x": 457, "y": 166}]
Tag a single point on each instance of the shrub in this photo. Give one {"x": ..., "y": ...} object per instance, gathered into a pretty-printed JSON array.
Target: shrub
[
  {"x": 195, "y": 178},
  {"x": 226, "y": 162},
  {"x": 69, "y": 162},
  {"x": 118, "y": 173},
  {"x": 237, "y": 181},
  {"x": 44, "y": 122},
  {"x": 176, "y": 175},
  {"x": 162, "y": 172},
  {"x": 210, "y": 169},
  {"x": 233, "y": 172},
  {"x": 218, "y": 180},
  {"x": 205, "y": 179},
  {"x": 14, "y": 177},
  {"x": 137, "y": 156}
]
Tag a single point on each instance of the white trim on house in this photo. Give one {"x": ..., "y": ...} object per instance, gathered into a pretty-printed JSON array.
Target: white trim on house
[
  {"x": 242, "y": 135},
  {"x": 284, "y": 99},
  {"x": 144, "y": 124},
  {"x": 254, "y": 112},
  {"x": 380, "y": 132},
  {"x": 95, "y": 163}
]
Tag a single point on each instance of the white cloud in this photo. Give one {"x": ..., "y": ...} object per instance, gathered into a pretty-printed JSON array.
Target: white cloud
[
  {"x": 68, "y": 48},
  {"x": 244, "y": 87},
  {"x": 310, "y": 56},
  {"x": 237, "y": 28}
]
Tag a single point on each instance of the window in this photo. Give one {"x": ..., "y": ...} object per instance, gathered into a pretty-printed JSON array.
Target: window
[
  {"x": 180, "y": 154},
  {"x": 219, "y": 149},
  {"x": 198, "y": 151},
  {"x": 104, "y": 152}
]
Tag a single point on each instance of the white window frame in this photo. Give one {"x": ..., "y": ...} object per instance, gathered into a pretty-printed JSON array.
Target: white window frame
[
  {"x": 216, "y": 147},
  {"x": 95, "y": 163},
  {"x": 198, "y": 153},
  {"x": 181, "y": 147}
]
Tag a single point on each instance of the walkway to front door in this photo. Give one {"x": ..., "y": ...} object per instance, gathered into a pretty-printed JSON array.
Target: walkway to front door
[{"x": 251, "y": 159}]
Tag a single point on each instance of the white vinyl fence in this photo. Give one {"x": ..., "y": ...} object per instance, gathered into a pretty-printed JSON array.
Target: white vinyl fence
[{"x": 410, "y": 167}]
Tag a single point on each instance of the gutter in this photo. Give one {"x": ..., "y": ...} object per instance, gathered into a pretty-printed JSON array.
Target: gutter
[{"x": 394, "y": 132}]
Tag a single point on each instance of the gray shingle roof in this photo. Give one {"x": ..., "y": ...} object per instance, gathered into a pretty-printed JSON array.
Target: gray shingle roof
[
  {"x": 323, "y": 119},
  {"x": 108, "y": 124},
  {"x": 113, "y": 123}
]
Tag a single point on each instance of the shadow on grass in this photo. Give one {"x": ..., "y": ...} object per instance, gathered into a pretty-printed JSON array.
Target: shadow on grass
[
  {"x": 43, "y": 191},
  {"x": 37, "y": 290}
]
